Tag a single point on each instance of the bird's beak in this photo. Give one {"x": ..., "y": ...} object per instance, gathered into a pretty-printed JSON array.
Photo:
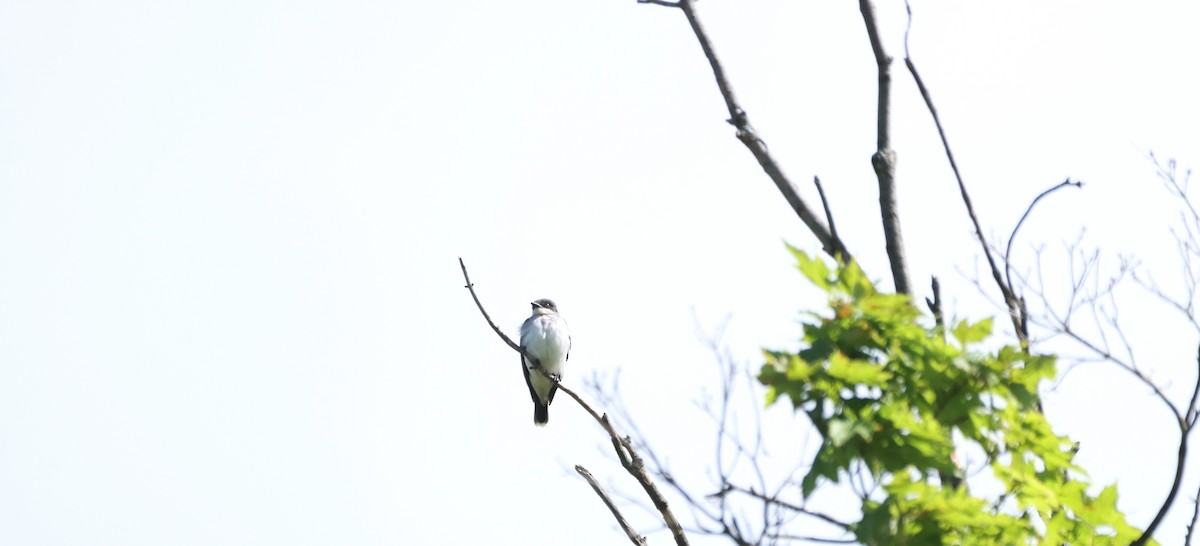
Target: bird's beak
[{"x": 534, "y": 303}]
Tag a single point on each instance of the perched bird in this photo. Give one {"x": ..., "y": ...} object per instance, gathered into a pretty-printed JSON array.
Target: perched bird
[{"x": 545, "y": 337}]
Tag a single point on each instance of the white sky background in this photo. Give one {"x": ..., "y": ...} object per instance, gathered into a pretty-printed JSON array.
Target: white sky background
[{"x": 230, "y": 308}]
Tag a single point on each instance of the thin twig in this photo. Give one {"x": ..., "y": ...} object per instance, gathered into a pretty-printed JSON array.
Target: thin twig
[
  {"x": 815, "y": 539},
  {"x": 1191, "y": 528},
  {"x": 633, "y": 536},
  {"x": 750, "y": 138},
  {"x": 471, "y": 287},
  {"x": 623, "y": 446},
  {"x": 1106, "y": 355},
  {"x": 1013, "y": 236},
  {"x": 1010, "y": 300},
  {"x": 793, "y": 507},
  {"x": 828, "y": 214}
]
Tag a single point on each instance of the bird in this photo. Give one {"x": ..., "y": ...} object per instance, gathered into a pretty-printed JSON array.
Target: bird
[{"x": 544, "y": 336}]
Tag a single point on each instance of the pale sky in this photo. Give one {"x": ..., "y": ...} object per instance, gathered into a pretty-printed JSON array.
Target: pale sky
[{"x": 231, "y": 311}]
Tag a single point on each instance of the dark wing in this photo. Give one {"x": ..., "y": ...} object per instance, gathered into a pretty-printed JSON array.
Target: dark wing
[
  {"x": 541, "y": 412},
  {"x": 528, "y": 383}
]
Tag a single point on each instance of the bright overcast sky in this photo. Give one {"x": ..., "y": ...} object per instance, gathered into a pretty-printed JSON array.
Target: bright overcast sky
[{"x": 231, "y": 311}]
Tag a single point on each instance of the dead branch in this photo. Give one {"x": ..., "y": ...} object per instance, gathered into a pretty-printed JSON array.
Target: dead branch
[
  {"x": 1015, "y": 311},
  {"x": 749, "y": 137},
  {"x": 633, "y": 536},
  {"x": 884, "y": 158}
]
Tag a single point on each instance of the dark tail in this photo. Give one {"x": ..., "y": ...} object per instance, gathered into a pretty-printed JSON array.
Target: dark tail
[{"x": 541, "y": 414}]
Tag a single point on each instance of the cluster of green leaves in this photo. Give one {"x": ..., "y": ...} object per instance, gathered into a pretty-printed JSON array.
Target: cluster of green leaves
[{"x": 889, "y": 394}]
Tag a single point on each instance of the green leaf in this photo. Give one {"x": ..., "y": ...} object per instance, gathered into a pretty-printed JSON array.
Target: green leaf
[
  {"x": 955, "y": 409},
  {"x": 1104, "y": 508},
  {"x": 857, "y": 372},
  {"x": 967, "y": 333},
  {"x": 821, "y": 468},
  {"x": 840, "y": 431},
  {"x": 854, "y": 282},
  {"x": 814, "y": 269}
]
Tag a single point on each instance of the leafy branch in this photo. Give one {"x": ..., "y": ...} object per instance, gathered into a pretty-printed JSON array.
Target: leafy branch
[{"x": 887, "y": 393}]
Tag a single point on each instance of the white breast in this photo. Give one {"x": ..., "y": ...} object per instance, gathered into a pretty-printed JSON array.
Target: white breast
[{"x": 546, "y": 338}]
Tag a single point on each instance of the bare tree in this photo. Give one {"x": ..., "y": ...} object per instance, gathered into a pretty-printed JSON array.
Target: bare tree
[{"x": 741, "y": 502}]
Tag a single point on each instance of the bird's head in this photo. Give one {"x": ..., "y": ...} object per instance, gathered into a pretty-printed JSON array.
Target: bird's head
[{"x": 543, "y": 307}]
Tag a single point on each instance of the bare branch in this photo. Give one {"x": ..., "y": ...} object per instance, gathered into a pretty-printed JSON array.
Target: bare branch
[
  {"x": 471, "y": 286},
  {"x": 1013, "y": 236},
  {"x": 738, "y": 453},
  {"x": 828, "y": 214},
  {"x": 1169, "y": 176},
  {"x": 749, "y": 137},
  {"x": 1184, "y": 418},
  {"x": 884, "y": 158},
  {"x": 1010, "y": 300},
  {"x": 818, "y": 540},
  {"x": 1123, "y": 364},
  {"x": 633, "y": 536},
  {"x": 1185, "y": 430},
  {"x": 623, "y": 446},
  {"x": 1185, "y": 306},
  {"x": 793, "y": 507},
  {"x": 632, "y": 462}
]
